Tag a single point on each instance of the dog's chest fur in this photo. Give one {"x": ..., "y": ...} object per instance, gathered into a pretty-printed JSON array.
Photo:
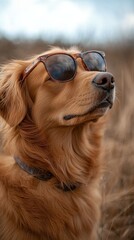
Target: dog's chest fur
[{"x": 34, "y": 209}]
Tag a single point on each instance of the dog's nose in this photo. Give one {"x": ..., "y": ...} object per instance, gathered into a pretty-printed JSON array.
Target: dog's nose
[{"x": 104, "y": 80}]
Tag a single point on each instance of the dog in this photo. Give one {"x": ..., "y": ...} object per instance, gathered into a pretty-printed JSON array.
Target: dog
[{"x": 52, "y": 110}]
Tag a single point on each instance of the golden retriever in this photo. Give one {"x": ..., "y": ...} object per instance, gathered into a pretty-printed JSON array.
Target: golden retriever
[{"x": 52, "y": 109}]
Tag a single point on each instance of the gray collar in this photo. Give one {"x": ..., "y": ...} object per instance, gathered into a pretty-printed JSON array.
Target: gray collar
[
  {"x": 35, "y": 172},
  {"x": 45, "y": 176}
]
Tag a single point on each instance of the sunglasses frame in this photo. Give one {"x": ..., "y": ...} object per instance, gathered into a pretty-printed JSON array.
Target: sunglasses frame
[{"x": 74, "y": 56}]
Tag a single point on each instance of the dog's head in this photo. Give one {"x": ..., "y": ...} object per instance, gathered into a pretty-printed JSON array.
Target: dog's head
[{"x": 59, "y": 88}]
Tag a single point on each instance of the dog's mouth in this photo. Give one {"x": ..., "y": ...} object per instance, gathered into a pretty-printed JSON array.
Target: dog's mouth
[{"x": 102, "y": 105}]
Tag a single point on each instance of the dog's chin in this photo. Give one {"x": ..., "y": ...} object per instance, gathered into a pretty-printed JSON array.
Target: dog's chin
[{"x": 92, "y": 114}]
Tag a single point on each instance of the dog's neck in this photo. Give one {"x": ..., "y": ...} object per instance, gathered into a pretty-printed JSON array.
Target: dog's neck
[
  {"x": 67, "y": 152},
  {"x": 72, "y": 152}
]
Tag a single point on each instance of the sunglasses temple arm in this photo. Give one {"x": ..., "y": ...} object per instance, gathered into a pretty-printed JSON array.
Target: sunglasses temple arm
[{"x": 30, "y": 68}]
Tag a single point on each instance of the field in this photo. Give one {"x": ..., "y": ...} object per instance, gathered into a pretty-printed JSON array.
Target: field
[{"x": 117, "y": 185}]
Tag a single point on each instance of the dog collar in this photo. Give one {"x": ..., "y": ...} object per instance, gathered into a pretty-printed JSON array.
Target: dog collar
[
  {"x": 35, "y": 172},
  {"x": 45, "y": 175}
]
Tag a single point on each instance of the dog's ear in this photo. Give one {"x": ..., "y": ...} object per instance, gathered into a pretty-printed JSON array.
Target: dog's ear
[{"x": 13, "y": 104}]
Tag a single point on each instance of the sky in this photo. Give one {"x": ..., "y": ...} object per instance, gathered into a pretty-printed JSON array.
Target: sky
[{"x": 70, "y": 20}]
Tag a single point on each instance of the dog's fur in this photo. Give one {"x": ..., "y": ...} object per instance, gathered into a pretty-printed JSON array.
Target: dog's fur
[{"x": 35, "y": 130}]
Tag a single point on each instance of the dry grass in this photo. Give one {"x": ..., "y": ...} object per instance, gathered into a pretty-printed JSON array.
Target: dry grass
[
  {"x": 118, "y": 184},
  {"x": 117, "y": 220}
]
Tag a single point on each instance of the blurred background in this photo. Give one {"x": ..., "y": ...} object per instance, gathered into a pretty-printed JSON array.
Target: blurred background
[{"x": 28, "y": 27}]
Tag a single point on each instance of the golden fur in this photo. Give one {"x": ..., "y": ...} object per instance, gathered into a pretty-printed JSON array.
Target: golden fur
[{"x": 34, "y": 129}]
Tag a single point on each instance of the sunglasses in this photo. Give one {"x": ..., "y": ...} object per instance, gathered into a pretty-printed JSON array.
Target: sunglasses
[{"x": 62, "y": 66}]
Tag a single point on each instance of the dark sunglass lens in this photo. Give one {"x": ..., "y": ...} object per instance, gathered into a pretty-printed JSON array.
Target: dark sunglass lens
[
  {"x": 61, "y": 67},
  {"x": 94, "y": 61}
]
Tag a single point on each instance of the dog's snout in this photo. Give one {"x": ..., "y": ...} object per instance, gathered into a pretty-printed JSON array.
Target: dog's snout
[{"x": 104, "y": 81}]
